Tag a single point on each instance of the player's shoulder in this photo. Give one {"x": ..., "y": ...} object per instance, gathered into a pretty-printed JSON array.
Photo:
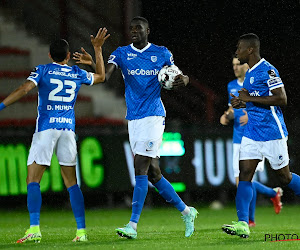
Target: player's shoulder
[
  {"x": 232, "y": 83},
  {"x": 266, "y": 69},
  {"x": 158, "y": 47}
]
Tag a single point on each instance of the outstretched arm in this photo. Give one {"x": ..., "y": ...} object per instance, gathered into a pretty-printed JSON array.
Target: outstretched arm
[
  {"x": 18, "y": 93},
  {"x": 97, "y": 42}
]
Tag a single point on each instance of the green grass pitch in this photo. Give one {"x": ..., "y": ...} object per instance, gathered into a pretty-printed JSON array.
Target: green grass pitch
[{"x": 159, "y": 228}]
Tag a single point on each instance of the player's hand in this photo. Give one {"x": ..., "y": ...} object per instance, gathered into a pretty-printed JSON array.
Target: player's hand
[
  {"x": 180, "y": 80},
  {"x": 244, "y": 95},
  {"x": 223, "y": 119},
  {"x": 244, "y": 118},
  {"x": 83, "y": 58},
  {"x": 100, "y": 38}
]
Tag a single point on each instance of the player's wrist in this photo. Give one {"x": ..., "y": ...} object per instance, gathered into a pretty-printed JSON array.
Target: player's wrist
[{"x": 2, "y": 106}]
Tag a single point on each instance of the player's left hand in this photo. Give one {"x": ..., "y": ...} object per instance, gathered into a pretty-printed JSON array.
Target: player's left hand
[
  {"x": 83, "y": 58},
  {"x": 100, "y": 38},
  {"x": 244, "y": 118},
  {"x": 180, "y": 80},
  {"x": 244, "y": 95}
]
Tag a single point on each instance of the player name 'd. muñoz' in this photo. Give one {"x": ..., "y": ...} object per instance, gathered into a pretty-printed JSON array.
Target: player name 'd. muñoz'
[{"x": 59, "y": 107}]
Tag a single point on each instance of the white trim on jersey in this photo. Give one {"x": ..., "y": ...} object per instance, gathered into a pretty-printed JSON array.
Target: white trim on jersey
[
  {"x": 34, "y": 81},
  {"x": 110, "y": 61},
  {"x": 261, "y": 60},
  {"x": 277, "y": 121},
  {"x": 65, "y": 65},
  {"x": 163, "y": 107},
  {"x": 140, "y": 50},
  {"x": 38, "y": 115}
]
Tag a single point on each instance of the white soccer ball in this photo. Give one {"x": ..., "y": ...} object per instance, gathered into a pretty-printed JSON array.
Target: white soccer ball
[{"x": 167, "y": 74}]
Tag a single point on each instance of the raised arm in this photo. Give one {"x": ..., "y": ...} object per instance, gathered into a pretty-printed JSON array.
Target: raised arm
[
  {"x": 87, "y": 59},
  {"x": 17, "y": 94},
  {"x": 97, "y": 42}
]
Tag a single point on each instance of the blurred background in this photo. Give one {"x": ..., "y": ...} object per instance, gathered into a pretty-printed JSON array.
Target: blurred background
[{"x": 196, "y": 150}]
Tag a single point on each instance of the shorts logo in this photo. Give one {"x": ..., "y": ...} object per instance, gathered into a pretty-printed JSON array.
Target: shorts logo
[
  {"x": 149, "y": 145},
  {"x": 280, "y": 157},
  {"x": 153, "y": 58},
  {"x": 251, "y": 80}
]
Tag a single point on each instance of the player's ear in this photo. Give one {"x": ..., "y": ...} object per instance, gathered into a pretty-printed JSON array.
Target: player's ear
[
  {"x": 68, "y": 56},
  {"x": 250, "y": 50},
  {"x": 148, "y": 31},
  {"x": 49, "y": 55}
]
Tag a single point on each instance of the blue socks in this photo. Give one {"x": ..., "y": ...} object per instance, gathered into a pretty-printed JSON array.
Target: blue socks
[
  {"x": 166, "y": 190},
  {"x": 295, "y": 184},
  {"x": 243, "y": 198},
  {"x": 262, "y": 189},
  {"x": 139, "y": 196},
  {"x": 253, "y": 204},
  {"x": 77, "y": 203},
  {"x": 34, "y": 202}
]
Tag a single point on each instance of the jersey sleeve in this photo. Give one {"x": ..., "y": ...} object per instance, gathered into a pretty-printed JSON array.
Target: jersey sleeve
[
  {"x": 169, "y": 57},
  {"x": 273, "y": 79},
  {"x": 228, "y": 92},
  {"x": 87, "y": 77},
  {"x": 115, "y": 58},
  {"x": 36, "y": 74}
]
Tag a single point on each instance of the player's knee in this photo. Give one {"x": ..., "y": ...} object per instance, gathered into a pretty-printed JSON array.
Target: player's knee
[
  {"x": 285, "y": 179},
  {"x": 154, "y": 178}
]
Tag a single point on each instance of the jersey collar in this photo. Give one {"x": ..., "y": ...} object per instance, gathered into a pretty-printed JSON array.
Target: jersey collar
[
  {"x": 261, "y": 60},
  {"x": 140, "y": 50},
  {"x": 65, "y": 65}
]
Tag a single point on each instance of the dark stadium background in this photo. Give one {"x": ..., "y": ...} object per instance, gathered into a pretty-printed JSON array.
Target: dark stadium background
[{"x": 202, "y": 36}]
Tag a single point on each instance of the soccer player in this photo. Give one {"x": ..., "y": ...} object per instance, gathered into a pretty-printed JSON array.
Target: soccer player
[
  {"x": 140, "y": 63},
  {"x": 265, "y": 134},
  {"x": 240, "y": 118},
  {"x": 58, "y": 86}
]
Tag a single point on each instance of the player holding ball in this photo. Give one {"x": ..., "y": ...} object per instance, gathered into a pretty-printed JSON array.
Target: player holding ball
[{"x": 140, "y": 63}]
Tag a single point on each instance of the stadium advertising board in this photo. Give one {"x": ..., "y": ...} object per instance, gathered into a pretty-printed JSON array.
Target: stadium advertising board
[{"x": 105, "y": 163}]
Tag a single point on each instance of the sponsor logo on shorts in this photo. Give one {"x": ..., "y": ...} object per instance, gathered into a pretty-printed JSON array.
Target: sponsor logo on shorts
[{"x": 149, "y": 145}]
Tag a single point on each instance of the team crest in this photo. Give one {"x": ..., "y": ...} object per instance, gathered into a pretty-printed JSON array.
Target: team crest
[
  {"x": 153, "y": 58},
  {"x": 251, "y": 80}
]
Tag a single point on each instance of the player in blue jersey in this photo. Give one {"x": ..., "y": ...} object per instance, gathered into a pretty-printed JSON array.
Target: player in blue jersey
[
  {"x": 265, "y": 134},
  {"x": 140, "y": 63},
  {"x": 58, "y": 85},
  {"x": 240, "y": 118}
]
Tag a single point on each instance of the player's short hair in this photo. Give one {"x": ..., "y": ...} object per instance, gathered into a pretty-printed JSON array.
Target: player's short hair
[
  {"x": 59, "y": 50},
  {"x": 142, "y": 19},
  {"x": 252, "y": 39}
]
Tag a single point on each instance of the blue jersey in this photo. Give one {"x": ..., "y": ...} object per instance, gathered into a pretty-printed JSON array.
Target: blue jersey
[
  {"x": 238, "y": 131},
  {"x": 140, "y": 69},
  {"x": 58, "y": 87},
  {"x": 265, "y": 122}
]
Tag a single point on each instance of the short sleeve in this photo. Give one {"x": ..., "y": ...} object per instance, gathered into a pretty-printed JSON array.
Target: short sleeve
[
  {"x": 86, "y": 77},
  {"x": 36, "y": 74},
  {"x": 229, "y": 96},
  {"x": 115, "y": 57},
  {"x": 273, "y": 79},
  {"x": 169, "y": 57}
]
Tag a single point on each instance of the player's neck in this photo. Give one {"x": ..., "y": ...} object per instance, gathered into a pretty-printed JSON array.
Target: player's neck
[
  {"x": 140, "y": 45},
  {"x": 241, "y": 79},
  {"x": 254, "y": 60}
]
